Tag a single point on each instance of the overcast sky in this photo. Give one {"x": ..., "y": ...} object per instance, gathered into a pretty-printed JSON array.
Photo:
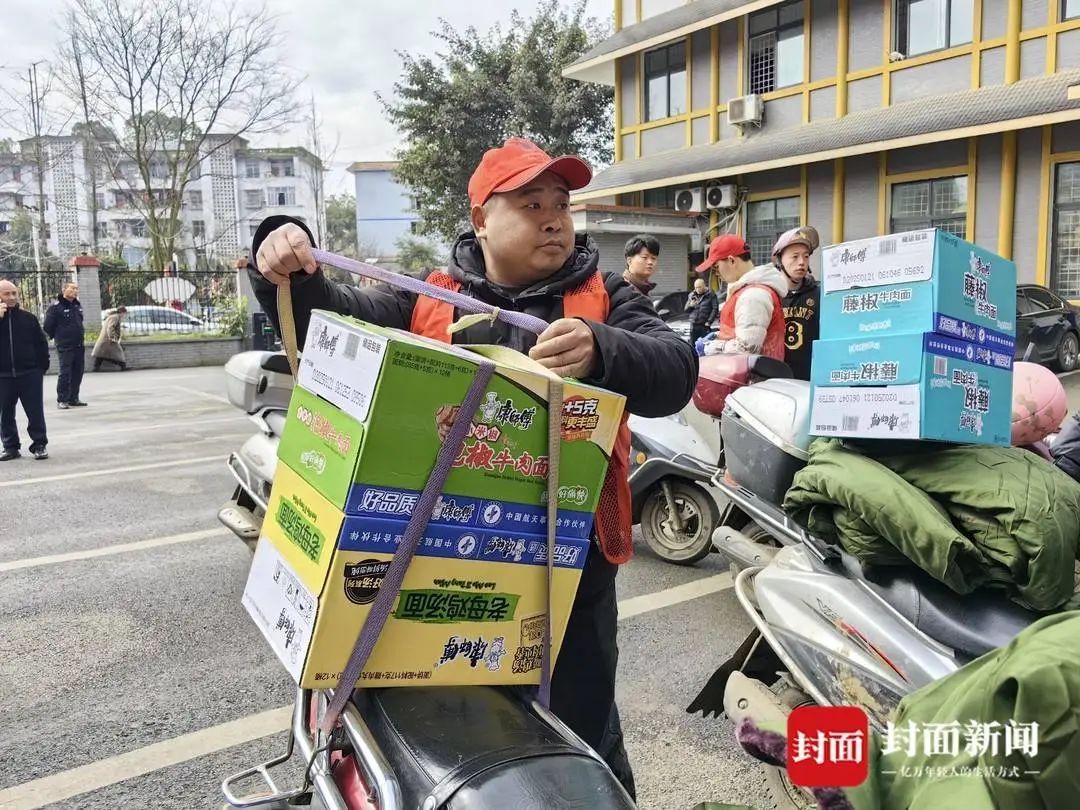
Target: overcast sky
[{"x": 346, "y": 48}]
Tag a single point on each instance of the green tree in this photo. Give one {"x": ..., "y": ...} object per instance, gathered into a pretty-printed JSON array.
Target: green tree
[
  {"x": 415, "y": 254},
  {"x": 484, "y": 88},
  {"x": 341, "y": 225}
]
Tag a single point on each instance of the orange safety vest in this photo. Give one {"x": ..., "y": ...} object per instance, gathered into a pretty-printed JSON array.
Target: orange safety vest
[
  {"x": 775, "y": 343},
  {"x": 614, "y": 522}
]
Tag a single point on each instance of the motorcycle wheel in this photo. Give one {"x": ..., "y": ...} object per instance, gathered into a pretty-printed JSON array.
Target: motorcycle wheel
[
  {"x": 699, "y": 516},
  {"x": 785, "y": 794}
]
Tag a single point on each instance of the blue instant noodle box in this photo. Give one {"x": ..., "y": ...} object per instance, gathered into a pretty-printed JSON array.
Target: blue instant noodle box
[
  {"x": 912, "y": 386},
  {"x": 921, "y": 281}
]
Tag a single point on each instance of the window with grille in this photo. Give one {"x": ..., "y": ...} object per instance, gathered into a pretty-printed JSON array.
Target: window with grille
[
  {"x": 776, "y": 48},
  {"x": 198, "y": 228},
  {"x": 931, "y": 25},
  {"x": 251, "y": 168},
  {"x": 281, "y": 196},
  {"x": 1070, "y": 9},
  {"x": 1065, "y": 252},
  {"x": 665, "y": 82},
  {"x": 99, "y": 200},
  {"x": 662, "y": 198},
  {"x": 194, "y": 200},
  {"x": 254, "y": 199},
  {"x": 766, "y": 220},
  {"x": 940, "y": 203}
]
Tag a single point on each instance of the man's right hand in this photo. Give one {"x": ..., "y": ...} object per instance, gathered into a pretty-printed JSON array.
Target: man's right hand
[
  {"x": 3, "y": 310},
  {"x": 286, "y": 250}
]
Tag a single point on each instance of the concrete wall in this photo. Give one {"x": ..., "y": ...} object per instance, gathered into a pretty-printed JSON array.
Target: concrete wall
[
  {"x": 866, "y": 34},
  {"x": 700, "y": 80},
  {"x": 987, "y": 190},
  {"x": 663, "y": 139},
  {"x": 214, "y": 351},
  {"x": 1026, "y": 222},
  {"x": 823, "y": 30},
  {"x": 936, "y": 78}
]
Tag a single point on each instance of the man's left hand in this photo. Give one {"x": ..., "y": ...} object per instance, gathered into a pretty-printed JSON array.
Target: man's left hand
[{"x": 567, "y": 347}]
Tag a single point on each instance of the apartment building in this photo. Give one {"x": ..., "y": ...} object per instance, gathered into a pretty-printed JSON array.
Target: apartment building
[
  {"x": 861, "y": 117},
  {"x": 228, "y": 194}
]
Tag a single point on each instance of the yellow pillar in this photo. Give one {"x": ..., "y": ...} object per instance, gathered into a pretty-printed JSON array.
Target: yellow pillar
[
  {"x": 1007, "y": 213},
  {"x": 842, "y": 59}
]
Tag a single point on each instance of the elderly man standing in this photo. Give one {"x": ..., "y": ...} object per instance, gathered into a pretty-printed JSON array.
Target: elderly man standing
[
  {"x": 64, "y": 324},
  {"x": 24, "y": 359}
]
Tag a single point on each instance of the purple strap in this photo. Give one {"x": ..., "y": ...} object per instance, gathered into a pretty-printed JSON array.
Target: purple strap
[
  {"x": 415, "y": 285},
  {"x": 395, "y": 574}
]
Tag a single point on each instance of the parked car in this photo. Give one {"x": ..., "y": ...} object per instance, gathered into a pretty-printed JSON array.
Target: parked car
[
  {"x": 1050, "y": 325},
  {"x": 148, "y": 319},
  {"x": 670, "y": 306}
]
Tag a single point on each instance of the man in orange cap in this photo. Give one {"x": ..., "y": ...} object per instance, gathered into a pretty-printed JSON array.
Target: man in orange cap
[{"x": 522, "y": 254}]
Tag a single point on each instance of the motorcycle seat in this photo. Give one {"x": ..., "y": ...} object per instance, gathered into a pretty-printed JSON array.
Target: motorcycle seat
[
  {"x": 277, "y": 362},
  {"x": 481, "y": 748},
  {"x": 971, "y": 624},
  {"x": 764, "y": 367}
]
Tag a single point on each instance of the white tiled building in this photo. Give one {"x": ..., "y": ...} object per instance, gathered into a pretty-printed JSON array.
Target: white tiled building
[{"x": 232, "y": 190}]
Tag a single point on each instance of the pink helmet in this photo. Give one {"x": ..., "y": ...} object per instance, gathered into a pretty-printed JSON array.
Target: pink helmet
[
  {"x": 1038, "y": 403},
  {"x": 718, "y": 376},
  {"x": 803, "y": 235}
]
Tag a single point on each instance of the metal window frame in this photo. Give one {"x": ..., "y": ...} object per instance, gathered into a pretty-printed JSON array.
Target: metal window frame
[
  {"x": 1055, "y": 208},
  {"x": 901, "y": 224},
  {"x": 901, "y": 14},
  {"x": 1064, "y": 15},
  {"x": 666, "y": 73},
  {"x": 776, "y": 31},
  {"x": 774, "y": 233}
]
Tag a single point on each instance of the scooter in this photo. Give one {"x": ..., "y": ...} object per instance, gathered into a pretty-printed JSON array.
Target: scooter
[
  {"x": 674, "y": 459},
  {"x": 826, "y": 631},
  {"x": 449, "y": 748}
]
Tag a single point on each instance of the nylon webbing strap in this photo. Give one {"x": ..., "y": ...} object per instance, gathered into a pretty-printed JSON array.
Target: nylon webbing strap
[{"x": 391, "y": 585}]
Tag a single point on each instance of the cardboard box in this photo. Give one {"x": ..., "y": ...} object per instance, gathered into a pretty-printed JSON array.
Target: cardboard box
[
  {"x": 370, "y": 437},
  {"x": 471, "y": 608},
  {"x": 922, "y": 281},
  {"x": 913, "y": 386}
]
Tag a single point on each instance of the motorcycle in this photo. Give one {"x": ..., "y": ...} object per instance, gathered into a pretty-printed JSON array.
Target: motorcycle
[
  {"x": 674, "y": 459},
  {"x": 826, "y": 631},
  {"x": 446, "y": 748}
]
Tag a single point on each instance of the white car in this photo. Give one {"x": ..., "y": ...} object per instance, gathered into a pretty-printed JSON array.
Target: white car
[{"x": 148, "y": 319}]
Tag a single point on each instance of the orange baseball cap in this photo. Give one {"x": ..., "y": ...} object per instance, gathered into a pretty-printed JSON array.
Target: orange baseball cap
[
  {"x": 518, "y": 161},
  {"x": 724, "y": 247}
]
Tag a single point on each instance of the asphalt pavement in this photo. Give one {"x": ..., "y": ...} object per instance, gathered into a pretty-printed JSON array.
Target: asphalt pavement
[{"x": 130, "y": 675}]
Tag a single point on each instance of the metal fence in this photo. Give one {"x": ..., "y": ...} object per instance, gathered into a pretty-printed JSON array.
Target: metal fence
[
  {"x": 37, "y": 290},
  {"x": 184, "y": 303}
]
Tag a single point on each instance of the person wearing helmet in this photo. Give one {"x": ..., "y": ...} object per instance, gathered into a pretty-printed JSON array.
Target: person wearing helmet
[
  {"x": 752, "y": 318},
  {"x": 791, "y": 255}
]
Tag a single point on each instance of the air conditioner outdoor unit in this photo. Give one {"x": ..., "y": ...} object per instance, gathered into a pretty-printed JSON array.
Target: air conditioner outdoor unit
[
  {"x": 720, "y": 195},
  {"x": 690, "y": 200},
  {"x": 745, "y": 110}
]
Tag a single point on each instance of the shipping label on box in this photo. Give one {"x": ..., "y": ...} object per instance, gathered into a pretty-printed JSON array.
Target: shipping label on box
[
  {"x": 912, "y": 386},
  {"x": 922, "y": 281},
  {"x": 394, "y": 428}
]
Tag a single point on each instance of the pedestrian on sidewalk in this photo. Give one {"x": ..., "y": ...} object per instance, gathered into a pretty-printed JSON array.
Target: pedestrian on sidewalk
[
  {"x": 108, "y": 347},
  {"x": 703, "y": 308},
  {"x": 64, "y": 324},
  {"x": 24, "y": 359}
]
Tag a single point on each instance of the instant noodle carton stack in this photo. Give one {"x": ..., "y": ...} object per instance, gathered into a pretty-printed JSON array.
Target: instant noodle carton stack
[
  {"x": 365, "y": 424},
  {"x": 918, "y": 332}
]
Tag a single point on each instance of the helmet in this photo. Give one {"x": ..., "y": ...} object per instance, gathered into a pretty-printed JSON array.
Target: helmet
[
  {"x": 803, "y": 235},
  {"x": 1038, "y": 403}
]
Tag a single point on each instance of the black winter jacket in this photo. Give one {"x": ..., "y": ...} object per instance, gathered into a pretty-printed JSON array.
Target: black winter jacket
[
  {"x": 639, "y": 356},
  {"x": 23, "y": 347},
  {"x": 703, "y": 309},
  {"x": 64, "y": 323},
  {"x": 1066, "y": 448},
  {"x": 801, "y": 313}
]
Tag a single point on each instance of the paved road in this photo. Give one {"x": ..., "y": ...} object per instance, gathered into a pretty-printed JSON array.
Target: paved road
[{"x": 143, "y": 646}]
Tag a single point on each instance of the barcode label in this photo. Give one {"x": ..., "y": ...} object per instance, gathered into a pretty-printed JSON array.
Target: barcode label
[
  {"x": 886, "y": 247},
  {"x": 352, "y": 346},
  {"x": 849, "y": 423},
  {"x": 941, "y": 366}
]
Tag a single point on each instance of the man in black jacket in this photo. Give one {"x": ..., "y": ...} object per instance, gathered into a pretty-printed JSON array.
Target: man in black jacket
[
  {"x": 64, "y": 324},
  {"x": 802, "y": 303},
  {"x": 703, "y": 308},
  {"x": 523, "y": 255},
  {"x": 24, "y": 359}
]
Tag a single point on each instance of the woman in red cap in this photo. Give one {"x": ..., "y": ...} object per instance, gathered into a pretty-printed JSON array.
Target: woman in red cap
[
  {"x": 522, "y": 254},
  {"x": 752, "y": 318}
]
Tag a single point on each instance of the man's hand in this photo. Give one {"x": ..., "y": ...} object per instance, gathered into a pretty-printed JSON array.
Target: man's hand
[
  {"x": 3, "y": 310},
  {"x": 285, "y": 251},
  {"x": 567, "y": 347},
  {"x": 444, "y": 420}
]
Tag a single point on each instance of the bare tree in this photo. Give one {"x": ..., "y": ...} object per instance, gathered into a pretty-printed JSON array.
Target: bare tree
[
  {"x": 88, "y": 134},
  {"x": 180, "y": 80},
  {"x": 324, "y": 157}
]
